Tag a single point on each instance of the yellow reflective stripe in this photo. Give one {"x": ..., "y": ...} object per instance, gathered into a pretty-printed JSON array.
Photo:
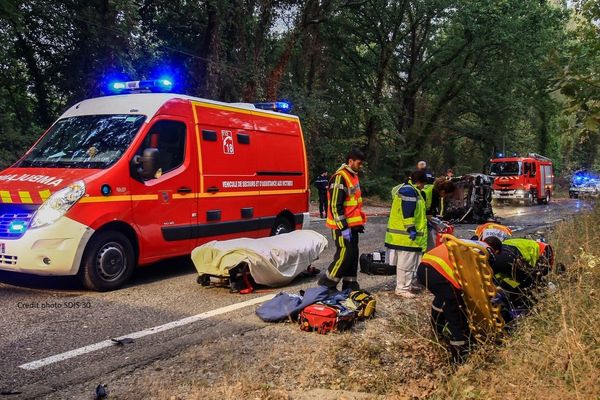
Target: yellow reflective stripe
[
  {"x": 108, "y": 199},
  {"x": 105, "y": 199},
  {"x": 334, "y": 200},
  {"x": 253, "y": 111},
  {"x": 350, "y": 203},
  {"x": 354, "y": 219},
  {"x": 441, "y": 263},
  {"x": 340, "y": 260},
  {"x": 25, "y": 197},
  {"x": 44, "y": 194},
  {"x": 5, "y": 196}
]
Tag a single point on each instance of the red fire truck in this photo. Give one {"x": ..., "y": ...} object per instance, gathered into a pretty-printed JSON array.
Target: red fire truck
[
  {"x": 530, "y": 179},
  {"x": 131, "y": 179}
]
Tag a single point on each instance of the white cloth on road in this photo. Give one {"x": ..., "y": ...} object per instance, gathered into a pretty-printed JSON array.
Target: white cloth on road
[
  {"x": 406, "y": 268},
  {"x": 273, "y": 261}
]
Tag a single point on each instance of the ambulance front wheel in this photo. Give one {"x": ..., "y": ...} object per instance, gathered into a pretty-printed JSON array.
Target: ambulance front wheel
[
  {"x": 108, "y": 261},
  {"x": 281, "y": 225}
]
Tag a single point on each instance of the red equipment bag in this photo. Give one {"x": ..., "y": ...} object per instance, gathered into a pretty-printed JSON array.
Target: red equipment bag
[{"x": 323, "y": 318}]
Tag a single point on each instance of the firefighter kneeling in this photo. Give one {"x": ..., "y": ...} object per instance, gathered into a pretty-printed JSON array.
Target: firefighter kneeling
[{"x": 437, "y": 274}]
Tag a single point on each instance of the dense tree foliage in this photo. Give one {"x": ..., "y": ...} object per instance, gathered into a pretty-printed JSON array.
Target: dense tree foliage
[{"x": 449, "y": 81}]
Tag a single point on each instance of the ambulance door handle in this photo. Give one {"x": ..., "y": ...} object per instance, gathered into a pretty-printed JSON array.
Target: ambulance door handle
[
  {"x": 184, "y": 189},
  {"x": 212, "y": 189}
]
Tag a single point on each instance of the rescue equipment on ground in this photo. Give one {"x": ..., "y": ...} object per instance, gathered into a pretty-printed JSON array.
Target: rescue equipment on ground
[
  {"x": 323, "y": 318},
  {"x": 272, "y": 261},
  {"x": 374, "y": 264},
  {"x": 363, "y": 302},
  {"x": 286, "y": 306}
]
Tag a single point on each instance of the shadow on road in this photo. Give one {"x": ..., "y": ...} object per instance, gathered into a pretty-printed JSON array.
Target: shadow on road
[{"x": 142, "y": 275}]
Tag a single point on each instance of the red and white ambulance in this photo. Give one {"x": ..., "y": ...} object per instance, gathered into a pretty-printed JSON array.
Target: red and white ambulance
[
  {"x": 530, "y": 179},
  {"x": 131, "y": 179}
]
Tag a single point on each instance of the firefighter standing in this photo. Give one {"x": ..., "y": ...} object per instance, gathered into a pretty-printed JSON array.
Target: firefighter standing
[
  {"x": 346, "y": 220},
  {"x": 321, "y": 185},
  {"x": 406, "y": 234},
  {"x": 437, "y": 274}
]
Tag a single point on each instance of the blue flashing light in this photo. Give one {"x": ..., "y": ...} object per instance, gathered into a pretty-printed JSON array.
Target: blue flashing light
[
  {"x": 157, "y": 85},
  {"x": 17, "y": 227},
  {"x": 500, "y": 155},
  {"x": 164, "y": 84},
  {"x": 282, "y": 105},
  {"x": 279, "y": 106}
]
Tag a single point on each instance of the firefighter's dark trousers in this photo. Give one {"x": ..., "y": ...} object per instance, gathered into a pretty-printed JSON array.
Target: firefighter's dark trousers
[
  {"x": 322, "y": 203},
  {"x": 345, "y": 263},
  {"x": 447, "y": 307}
]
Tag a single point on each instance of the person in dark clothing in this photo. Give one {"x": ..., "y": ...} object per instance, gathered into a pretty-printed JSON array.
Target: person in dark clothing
[
  {"x": 321, "y": 184},
  {"x": 346, "y": 220}
]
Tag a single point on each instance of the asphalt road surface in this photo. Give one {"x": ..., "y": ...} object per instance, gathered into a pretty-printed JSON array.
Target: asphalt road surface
[{"x": 43, "y": 318}]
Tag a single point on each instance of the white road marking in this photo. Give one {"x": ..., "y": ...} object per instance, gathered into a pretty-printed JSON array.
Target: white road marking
[{"x": 146, "y": 332}]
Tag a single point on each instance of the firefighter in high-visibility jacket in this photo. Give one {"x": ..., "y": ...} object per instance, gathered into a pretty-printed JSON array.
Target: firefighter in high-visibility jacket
[
  {"x": 346, "y": 220},
  {"x": 406, "y": 234},
  {"x": 437, "y": 274}
]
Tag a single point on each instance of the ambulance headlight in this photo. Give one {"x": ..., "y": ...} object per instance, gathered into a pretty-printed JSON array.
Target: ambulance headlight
[{"x": 58, "y": 204}]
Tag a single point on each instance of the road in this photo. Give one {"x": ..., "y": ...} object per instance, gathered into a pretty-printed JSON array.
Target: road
[{"x": 45, "y": 317}]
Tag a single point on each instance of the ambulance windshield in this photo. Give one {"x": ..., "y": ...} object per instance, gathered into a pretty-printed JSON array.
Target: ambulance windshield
[
  {"x": 85, "y": 141},
  {"x": 506, "y": 168}
]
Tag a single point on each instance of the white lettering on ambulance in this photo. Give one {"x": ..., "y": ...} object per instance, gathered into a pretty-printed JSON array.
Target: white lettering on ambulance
[
  {"x": 256, "y": 184},
  {"x": 43, "y": 179}
]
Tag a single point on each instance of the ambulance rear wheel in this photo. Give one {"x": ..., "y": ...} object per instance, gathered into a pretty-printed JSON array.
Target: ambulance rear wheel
[
  {"x": 281, "y": 225},
  {"x": 108, "y": 261}
]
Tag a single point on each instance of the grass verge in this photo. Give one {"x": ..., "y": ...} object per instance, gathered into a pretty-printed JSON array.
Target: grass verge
[{"x": 555, "y": 354}]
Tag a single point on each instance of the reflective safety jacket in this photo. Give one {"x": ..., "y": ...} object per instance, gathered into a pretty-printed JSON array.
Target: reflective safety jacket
[
  {"x": 408, "y": 212},
  {"x": 493, "y": 229},
  {"x": 529, "y": 249},
  {"x": 438, "y": 259},
  {"x": 344, "y": 208},
  {"x": 428, "y": 190}
]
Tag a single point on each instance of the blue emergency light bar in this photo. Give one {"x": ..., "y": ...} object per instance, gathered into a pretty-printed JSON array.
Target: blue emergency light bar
[
  {"x": 279, "y": 106},
  {"x": 157, "y": 85}
]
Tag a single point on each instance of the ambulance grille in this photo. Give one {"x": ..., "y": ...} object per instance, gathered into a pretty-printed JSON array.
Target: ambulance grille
[
  {"x": 8, "y": 260},
  {"x": 14, "y": 216}
]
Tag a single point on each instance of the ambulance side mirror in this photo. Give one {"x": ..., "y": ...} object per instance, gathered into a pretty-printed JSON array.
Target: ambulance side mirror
[{"x": 148, "y": 163}]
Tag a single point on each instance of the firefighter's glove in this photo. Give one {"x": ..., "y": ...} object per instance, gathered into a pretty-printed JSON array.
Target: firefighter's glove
[
  {"x": 412, "y": 233},
  {"x": 359, "y": 229},
  {"x": 347, "y": 234}
]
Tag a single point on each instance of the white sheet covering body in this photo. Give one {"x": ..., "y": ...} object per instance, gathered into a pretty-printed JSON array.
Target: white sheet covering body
[{"x": 273, "y": 261}]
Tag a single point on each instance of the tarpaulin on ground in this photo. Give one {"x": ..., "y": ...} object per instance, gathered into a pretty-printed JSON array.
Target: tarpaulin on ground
[{"x": 273, "y": 261}]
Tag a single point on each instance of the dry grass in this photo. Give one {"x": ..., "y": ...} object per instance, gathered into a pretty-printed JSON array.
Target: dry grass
[{"x": 555, "y": 354}]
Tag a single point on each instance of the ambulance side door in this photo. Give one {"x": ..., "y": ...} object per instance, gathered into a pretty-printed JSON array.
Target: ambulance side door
[{"x": 164, "y": 206}]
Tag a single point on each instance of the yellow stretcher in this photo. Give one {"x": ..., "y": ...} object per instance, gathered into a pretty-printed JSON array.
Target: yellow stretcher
[{"x": 475, "y": 275}]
